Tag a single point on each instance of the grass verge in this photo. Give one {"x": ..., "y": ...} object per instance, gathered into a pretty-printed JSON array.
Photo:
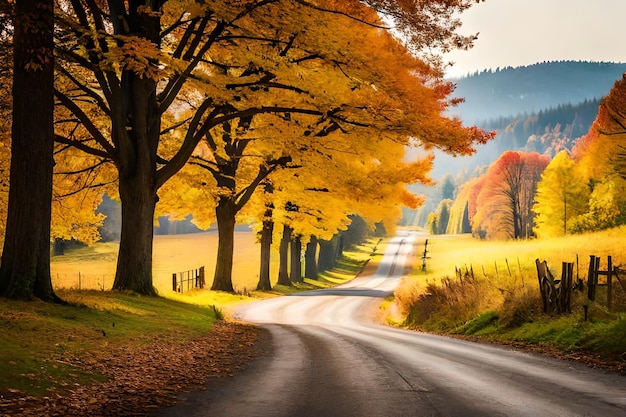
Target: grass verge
[
  {"x": 43, "y": 343},
  {"x": 489, "y": 290}
]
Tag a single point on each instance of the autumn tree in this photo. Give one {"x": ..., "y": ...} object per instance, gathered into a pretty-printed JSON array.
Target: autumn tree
[
  {"x": 504, "y": 204},
  {"x": 25, "y": 268},
  {"x": 562, "y": 195},
  {"x": 460, "y": 221},
  {"x": 303, "y": 130},
  {"x": 146, "y": 64},
  {"x": 598, "y": 159}
]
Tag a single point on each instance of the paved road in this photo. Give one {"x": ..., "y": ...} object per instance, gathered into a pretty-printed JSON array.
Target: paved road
[{"x": 330, "y": 359}]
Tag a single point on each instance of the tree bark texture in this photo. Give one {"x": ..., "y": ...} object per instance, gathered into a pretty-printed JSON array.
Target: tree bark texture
[
  {"x": 310, "y": 259},
  {"x": 225, "y": 212},
  {"x": 25, "y": 269},
  {"x": 283, "y": 269}
]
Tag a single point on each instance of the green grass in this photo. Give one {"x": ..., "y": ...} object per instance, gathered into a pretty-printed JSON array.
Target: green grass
[
  {"x": 41, "y": 342},
  {"x": 502, "y": 301}
]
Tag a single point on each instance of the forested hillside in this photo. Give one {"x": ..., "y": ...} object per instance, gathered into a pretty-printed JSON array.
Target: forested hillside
[
  {"x": 527, "y": 193},
  {"x": 509, "y": 91},
  {"x": 566, "y": 96}
]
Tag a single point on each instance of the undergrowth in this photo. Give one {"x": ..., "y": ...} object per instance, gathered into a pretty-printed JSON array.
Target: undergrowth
[{"x": 507, "y": 306}]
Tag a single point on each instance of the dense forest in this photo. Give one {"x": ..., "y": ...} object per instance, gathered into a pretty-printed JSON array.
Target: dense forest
[
  {"x": 554, "y": 128},
  {"x": 545, "y": 192},
  {"x": 509, "y": 91}
]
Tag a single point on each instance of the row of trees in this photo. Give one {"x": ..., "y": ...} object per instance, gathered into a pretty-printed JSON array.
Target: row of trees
[
  {"x": 524, "y": 195},
  {"x": 208, "y": 104}
]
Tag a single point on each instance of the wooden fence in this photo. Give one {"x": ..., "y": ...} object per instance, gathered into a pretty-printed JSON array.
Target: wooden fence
[
  {"x": 187, "y": 280},
  {"x": 556, "y": 293},
  {"x": 593, "y": 281}
]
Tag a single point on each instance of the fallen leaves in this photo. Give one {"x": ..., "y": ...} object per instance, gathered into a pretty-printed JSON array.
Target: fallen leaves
[{"x": 141, "y": 377}]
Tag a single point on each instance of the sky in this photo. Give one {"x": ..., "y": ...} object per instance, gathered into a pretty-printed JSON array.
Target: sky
[{"x": 524, "y": 32}]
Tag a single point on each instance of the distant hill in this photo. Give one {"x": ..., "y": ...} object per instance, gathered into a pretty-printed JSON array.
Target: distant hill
[
  {"x": 544, "y": 108},
  {"x": 511, "y": 91}
]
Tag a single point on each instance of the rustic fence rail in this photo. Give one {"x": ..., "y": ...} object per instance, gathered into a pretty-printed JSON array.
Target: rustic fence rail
[
  {"x": 593, "y": 281},
  {"x": 556, "y": 293},
  {"x": 187, "y": 280},
  {"x": 82, "y": 281}
]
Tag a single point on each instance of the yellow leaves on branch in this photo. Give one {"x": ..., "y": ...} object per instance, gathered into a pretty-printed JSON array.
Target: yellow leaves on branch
[{"x": 135, "y": 54}]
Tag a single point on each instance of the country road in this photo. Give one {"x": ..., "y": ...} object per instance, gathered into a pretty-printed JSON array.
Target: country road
[{"x": 330, "y": 358}]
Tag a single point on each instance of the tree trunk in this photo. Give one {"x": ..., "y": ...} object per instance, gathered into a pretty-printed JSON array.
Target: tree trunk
[
  {"x": 25, "y": 269},
  {"x": 136, "y": 126},
  {"x": 310, "y": 259},
  {"x": 328, "y": 254},
  {"x": 225, "y": 212},
  {"x": 134, "y": 260},
  {"x": 283, "y": 270},
  {"x": 266, "y": 246},
  {"x": 136, "y": 129},
  {"x": 296, "y": 264}
]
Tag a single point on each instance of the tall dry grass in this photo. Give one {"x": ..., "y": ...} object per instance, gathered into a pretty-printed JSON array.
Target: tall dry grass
[{"x": 504, "y": 279}]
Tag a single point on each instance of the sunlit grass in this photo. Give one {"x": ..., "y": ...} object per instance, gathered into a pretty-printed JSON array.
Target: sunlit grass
[
  {"x": 94, "y": 267},
  {"x": 514, "y": 261},
  {"x": 41, "y": 341},
  {"x": 490, "y": 289}
]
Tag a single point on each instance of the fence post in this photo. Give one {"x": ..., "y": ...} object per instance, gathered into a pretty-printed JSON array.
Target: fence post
[
  {"x": 174, "y": 282},
  {"x": 202, "y": 281},
  {"x": 609, "y": 286},
  {"x": 424, "y": 256},
  {"x": 591, "y": 282}
]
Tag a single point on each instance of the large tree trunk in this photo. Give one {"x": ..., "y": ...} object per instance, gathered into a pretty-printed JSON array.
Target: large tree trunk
[
  {"x": 310, "y": 259},
  {"x": 225, "y": 213},
  {"x": 136, "y": 129},
  {"x": 266, "y": 247},
  {"x": 134, "y": 261},
  {"x": 136, "y": 125},
  {"x": 296, "y": 265},
  {"x": 25, "y": 269},
  {"x": 283, "y": 270}
]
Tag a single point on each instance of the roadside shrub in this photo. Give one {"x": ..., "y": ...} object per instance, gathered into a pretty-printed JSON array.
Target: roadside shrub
[
  {"x": 452, "y": 302},
  {"x": 520, "y": 305}
]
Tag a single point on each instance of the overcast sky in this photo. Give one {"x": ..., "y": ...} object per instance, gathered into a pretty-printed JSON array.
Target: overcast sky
[{"x": 524, "y": 32}]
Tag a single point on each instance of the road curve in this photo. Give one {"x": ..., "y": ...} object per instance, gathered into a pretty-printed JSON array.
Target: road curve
[{"x": 330, "y": 358}]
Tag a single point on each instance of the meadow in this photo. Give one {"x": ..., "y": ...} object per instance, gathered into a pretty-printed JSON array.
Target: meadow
[
  {"x": 490, "y": 289},
  {"x": 94, "y": 267}
]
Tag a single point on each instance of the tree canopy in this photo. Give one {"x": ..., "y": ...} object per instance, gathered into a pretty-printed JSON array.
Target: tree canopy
[{"x": 140, "y": 88}]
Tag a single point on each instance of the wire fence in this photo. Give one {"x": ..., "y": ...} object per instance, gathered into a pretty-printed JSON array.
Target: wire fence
[{"x": 81, "y": 281}]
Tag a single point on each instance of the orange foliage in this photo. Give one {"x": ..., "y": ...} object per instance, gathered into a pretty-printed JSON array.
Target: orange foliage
[
  {"x": 506, "y": 197},
  {"x": 607, "y": 136}
]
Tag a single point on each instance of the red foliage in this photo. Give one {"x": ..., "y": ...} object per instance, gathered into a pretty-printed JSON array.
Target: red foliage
[{"x": 504, "y": 201}]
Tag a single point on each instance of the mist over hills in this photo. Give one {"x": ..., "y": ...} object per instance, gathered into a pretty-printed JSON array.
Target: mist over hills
[
  {"x": 510, "y": 91},
  {"x": 542, "y": 107}
]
